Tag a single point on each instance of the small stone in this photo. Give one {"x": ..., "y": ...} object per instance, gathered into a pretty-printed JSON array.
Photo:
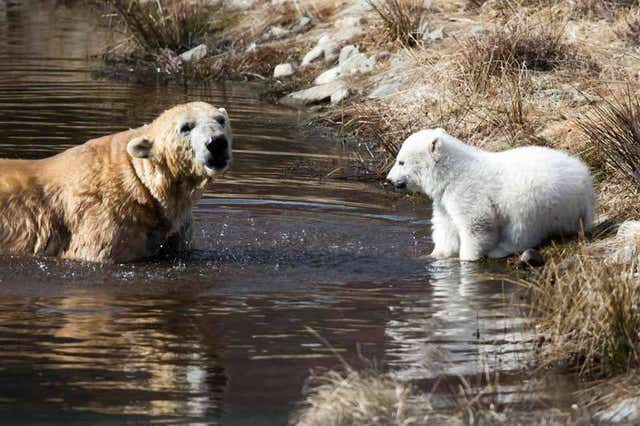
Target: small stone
[
  {"x": 531, "y": 258},
  {"x": 194, "y": 55},
  {"x": 436, "y": 35},
  {"x": 302, "y": 25},
  {"x": 283, "y": 70}
]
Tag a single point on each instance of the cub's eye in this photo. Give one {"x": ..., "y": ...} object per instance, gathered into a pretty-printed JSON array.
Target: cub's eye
[
  {"x": 187, "y": 127},
  {"x": 401, "y": 163},
  {"x": 221, "y": 120}
]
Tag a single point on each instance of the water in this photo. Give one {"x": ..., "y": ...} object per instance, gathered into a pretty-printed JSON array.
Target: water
[{"x": 223, "y": 335}]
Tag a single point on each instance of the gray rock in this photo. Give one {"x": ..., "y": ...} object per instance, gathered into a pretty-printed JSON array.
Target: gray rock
[
  {"x": 283, "y": 70},
  {"x": 303, "y": 24},
  {"x": 436, "y": 35},
  {"x": 339, "y": 95},
  {"x": 316, "y": 94},
  {"x": 194, "y": 55},
  {"x": 326, "y": 47},
  {"x": 346, "y": 52},
  {"x": 386, "y": 89},
  {"x": 627, "y": 411},
  {"x": 332, "y": 74},
  {"x": 531, "y": 258},
  {"x": 355, "y": 63}
]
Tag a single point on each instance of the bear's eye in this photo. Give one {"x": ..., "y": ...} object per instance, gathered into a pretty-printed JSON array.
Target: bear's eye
[
  {"x": 187, "y": 127},
  {"x": 401, "y": 163},
  {"x": 221, "y": 120}
]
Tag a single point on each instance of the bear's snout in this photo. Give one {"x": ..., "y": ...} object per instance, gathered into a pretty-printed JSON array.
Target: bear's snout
[{"x": 218, "y": 146}]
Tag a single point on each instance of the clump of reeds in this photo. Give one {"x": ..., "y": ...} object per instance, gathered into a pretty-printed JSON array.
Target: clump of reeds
[
  {"x": 401, "y": 19},
  {"x": 589, "y": 315},
  {"x": 612, "y": 127},
  {"x": 164, "y": 24}
]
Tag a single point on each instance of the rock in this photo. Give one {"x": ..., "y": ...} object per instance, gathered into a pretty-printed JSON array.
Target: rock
[
  {"x": 358, "y": 63},
  {"x": 347, "y": 52},
  {"x": 531, "y": 258},
  {"x": 626, "y": 243},
  {"x": 194, "y": 55},
  {"x": 316, "y": 94},
  {"x": 355, "y": 63},
  {"x": 328, "y": 76},
  {"x": 436, "y": 35},
  {"x": 303, "y": 24},
  {"x": 275, "y": 33},
  {"x": 626, "y": 411},
  {"x": 326, "y": 47},
  {"x": 283, "y": 70},
  {"x": 240, "y": 4},
  {"x": 386, "y": 89},
  {"x": 339, "y": 95}
]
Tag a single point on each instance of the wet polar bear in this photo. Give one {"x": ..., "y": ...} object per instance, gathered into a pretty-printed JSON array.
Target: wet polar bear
[
  {"x": 118, "y": 198},
  {"x": 494, "y": 203}
]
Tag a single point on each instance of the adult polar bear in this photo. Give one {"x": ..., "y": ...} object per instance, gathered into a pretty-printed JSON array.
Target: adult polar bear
[
  {"x": 118, "y": 198},
  {"x": 494, "y": 203}
]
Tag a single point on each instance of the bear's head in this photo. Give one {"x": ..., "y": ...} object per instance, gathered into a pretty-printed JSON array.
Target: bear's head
[
  {"x": 417, "y": 161},
  {"x": 190, "y": 140}
]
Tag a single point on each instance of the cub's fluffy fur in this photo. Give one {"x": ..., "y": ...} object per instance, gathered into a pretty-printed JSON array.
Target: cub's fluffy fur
[{"x": 494, "y": 203}]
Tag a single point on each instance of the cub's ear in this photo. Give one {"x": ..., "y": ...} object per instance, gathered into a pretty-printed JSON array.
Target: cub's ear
[
  {"x": 435, "y": 147},
  {"x": 140, "y": 147},
  {"x": 224, "y": 112}
]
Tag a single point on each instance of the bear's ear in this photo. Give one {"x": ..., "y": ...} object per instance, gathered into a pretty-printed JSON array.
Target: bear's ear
[
  {"x": 435, "y": 146},
  {"x": 140, "y": 147},
  {"x": 224, "y": 112}
]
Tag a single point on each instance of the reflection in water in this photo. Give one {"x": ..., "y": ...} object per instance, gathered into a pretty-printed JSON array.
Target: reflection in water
[{"x": 221, "y": 335}]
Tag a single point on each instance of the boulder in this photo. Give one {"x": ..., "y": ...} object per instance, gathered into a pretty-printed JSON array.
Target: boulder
[{"x": 385, "y": 89}]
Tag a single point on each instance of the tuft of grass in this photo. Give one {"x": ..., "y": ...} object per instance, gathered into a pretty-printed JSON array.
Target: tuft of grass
[
  {"x": 629, "y": 28},
  {"x": 401, "y": 19},
  {"x": 612, "y": 127},
  {"x": 520, "y": 44},
  {"x": 589, "y": 315},
  {"x": 164, "y": 24}
]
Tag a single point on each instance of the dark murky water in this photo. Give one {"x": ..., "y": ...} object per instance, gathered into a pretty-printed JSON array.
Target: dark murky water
[{"x": 222, "y": 335}]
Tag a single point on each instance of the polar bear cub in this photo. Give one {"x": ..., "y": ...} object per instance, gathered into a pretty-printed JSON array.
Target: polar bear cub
[{"x": 494, "y": 203}]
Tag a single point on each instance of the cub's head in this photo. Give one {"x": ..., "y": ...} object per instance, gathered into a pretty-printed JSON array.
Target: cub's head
[
  {"x": 417, "y": 159},
  {"x": 192, "y": 139}
]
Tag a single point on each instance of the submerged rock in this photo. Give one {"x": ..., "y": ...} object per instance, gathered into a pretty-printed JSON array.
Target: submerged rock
[
  {"x": 194, "y": 55},
  {"x": 335, "y": 91},
  {"x": 283, "y": 70}
]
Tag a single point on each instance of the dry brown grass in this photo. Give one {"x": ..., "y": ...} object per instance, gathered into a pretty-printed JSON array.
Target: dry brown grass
[
  {"x": 612, "y": 127},
  {"x": 164, "y": 24},
  {"x": 589, "y": 315},
  {"x": 534, "y": 45},
  {"x": 401, "y": 19}
]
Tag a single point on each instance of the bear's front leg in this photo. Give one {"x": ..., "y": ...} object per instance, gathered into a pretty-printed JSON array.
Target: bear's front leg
[
  {"x": 444, "y": 234},
  {"x": 478, "y": 237}
]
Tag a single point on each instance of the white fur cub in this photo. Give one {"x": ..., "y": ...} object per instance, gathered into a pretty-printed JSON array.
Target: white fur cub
[{"x": 494, "y": 203}]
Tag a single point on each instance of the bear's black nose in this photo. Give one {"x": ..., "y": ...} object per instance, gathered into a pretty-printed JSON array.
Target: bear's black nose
[
  {"x": 218, "y": 145},
  {"x": 400, "y": 185}
]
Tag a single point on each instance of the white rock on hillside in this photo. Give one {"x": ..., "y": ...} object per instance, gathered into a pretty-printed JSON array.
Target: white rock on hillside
[
  {"x": 194, "y": 55},
  {"x": 335, "y": 91},
  {"x": 283, "y": 70},
  {"x": 326, "y": 47},
  {"x": 355, "y": 63}
]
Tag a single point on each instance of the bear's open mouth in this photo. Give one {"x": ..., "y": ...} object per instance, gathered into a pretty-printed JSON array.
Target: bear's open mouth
[{"x": 218, "y": 164}]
